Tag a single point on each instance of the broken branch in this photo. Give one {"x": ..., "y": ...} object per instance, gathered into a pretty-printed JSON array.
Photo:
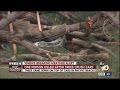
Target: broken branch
[{"x": 10, "y": 18}]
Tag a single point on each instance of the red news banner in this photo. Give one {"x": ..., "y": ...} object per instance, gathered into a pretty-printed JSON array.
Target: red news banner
[{"x": 50, "y": 66}]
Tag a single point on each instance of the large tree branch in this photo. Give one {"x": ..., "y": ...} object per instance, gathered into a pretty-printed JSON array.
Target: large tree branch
[
  {"x": 5, "y": 21},
  {"x": 113, "y": 17},
  {"x": 91, "y": 45},
  {"x": 35, "y": 50},
  {"x": 23, "y": 29},
  {"x": 68, "y": 16},
  {"x": 33, "y": 35},
  {"x": 107, "y": 43},
  {"x": 78, "y": 34},
  {"x": 33, "y": 19}
]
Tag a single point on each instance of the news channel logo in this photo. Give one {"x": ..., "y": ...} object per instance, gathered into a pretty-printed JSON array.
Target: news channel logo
[{"x": 104, "y": 70}]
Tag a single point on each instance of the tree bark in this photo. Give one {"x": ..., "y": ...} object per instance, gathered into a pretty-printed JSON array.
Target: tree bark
[
  {"x": 101, "y": 36},
  {"x": 35, "y": 50},
  {"x": 107, "y": 44},
  {"x": 10, "y": 18},
  {"x": 67, "y": 16},
  {"x": 32, "y": 17},
  {"x": 91, "y": 45},
  {"x": 25, "y": 30},
  {"x": 114, "y": 18},
  {"x": 101, "y": 56}
]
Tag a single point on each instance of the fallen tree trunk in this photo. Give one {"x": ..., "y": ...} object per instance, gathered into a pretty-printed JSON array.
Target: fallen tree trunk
[
  {"x": 43, "y": 53},
  {"x": 5, "y": 60},
  {"x": 68, "y": 16},
  {"x": 113, "y": 17},
  {"x": 101, "y": 56},
  {"x": 78, "y": 34},
  {"x": 103, "y": 48},
  {"x": 32, "y": 17},
  {"x": 5, "y": 21},
  {"x": 91, "y": 57},
  {"x": 62, "y": 58},
  {"x": 107, "y": 43},
  {"x": 30, "y": 57},
  {"x": 91, "y": 45},
  {"x": 29, "y": 32},
  {"x": 32, "y": 48},
  {"x": 25, "y": 30}
]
